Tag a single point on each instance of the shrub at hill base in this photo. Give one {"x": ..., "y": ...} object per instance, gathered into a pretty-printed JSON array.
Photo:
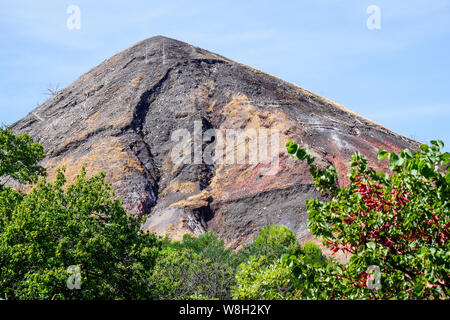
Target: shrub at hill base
[
  {"x": 73, "y": 243},
  {"x": 65, "y": 241}
]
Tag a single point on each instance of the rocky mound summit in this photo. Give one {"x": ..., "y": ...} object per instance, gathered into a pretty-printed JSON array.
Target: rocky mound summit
[{"x": 122, "y": 117}]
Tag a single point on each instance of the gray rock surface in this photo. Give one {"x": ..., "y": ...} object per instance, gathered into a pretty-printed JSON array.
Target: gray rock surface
[{"x": 119, "y": 117}]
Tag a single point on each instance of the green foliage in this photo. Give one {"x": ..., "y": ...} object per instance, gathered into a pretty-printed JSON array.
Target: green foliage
[
  {"x": 262, "y": 279},
  {"x": 195, "y": 268},
  {"x": 203, "y": 268},
  {"x": 398, "y": 222},
  {"x": 58, "y": 226},
  {"x": 9, "y": 199},
  {"x": 19, "y": 156},
  {"x": 313, "y": 255}
]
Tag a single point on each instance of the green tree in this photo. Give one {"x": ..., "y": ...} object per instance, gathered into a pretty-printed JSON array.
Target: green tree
[
  {"x": 57, "y": 229},
  {"x": 271, "y": 242},
  {"x": 395, "y": 225},
  {"x": 19, "y": 157}
]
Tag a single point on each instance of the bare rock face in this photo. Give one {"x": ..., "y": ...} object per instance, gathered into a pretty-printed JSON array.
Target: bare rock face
[{"x": 124, "y": 115}]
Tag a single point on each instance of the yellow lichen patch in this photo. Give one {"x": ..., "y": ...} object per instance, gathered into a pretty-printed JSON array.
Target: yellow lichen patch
[
  {"x": 194, "y": 202},
  {"x": 177, "y": 186},
  {"x": 215, "y": 187},
  {"x": 136, "y": 81},
  {"x": 238, "y": 101},
  {"x": 120, "y": 122},
  {"x": 231, "y": 179},
  {"x": 106, "y": 154},
  {"x": 92, "y": 120},
  {"x": 241, "y": 113},
  {"x": 255, "y": 136}
]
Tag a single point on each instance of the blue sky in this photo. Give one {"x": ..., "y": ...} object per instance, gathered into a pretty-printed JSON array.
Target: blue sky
[{"x": 398, "y": 75}]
